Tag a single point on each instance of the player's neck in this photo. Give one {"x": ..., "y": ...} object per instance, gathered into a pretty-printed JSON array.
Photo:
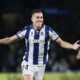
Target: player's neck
[{"x": 37, "y": 28}]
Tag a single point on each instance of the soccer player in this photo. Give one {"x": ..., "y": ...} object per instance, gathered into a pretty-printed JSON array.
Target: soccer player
[{"x": 37, "y": 37}]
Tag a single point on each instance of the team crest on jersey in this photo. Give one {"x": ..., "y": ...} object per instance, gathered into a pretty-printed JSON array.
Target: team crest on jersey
[{"x": 41, "y": 33}]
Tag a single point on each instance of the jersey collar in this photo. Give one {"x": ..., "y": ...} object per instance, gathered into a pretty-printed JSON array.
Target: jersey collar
[{"x": 33, "y": 27}]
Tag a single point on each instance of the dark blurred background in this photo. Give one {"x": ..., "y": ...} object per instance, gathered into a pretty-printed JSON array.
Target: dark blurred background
[{"x": 62, "y": 15}]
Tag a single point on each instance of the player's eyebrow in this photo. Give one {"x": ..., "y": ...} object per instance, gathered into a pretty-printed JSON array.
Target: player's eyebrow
[{"x": 39, "y": 17}]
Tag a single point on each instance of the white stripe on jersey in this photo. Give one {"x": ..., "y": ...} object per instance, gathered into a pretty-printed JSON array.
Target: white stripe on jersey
[
  {"x": 31, "y": 46},
  {"x": 41, "y": 45}
]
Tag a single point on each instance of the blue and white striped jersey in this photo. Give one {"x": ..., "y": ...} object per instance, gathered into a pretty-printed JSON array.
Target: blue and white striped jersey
[{"x": 37, "y": 43}]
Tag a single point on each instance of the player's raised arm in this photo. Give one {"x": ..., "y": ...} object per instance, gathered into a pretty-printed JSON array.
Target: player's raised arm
[
  {"x": 9, "y": 40},
  {"x": 65, "y": 44}
]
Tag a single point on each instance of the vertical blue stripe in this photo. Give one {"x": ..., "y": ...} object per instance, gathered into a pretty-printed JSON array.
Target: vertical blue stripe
[
  {"x": 27, "y": 46},
  {"x": 36, "y": 48},
  {"x": 46, "y": 44}
]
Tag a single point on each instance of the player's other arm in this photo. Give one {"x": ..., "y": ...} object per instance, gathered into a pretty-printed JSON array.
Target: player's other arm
[
  {"x": 65, "y": 44},
  {"x": 9, "y": 40}
]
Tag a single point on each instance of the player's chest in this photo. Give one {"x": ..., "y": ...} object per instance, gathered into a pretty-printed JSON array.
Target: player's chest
[{"x": 37, "y": 36}]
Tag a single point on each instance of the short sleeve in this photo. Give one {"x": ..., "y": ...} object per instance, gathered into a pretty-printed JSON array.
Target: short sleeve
[
  {"x": 53, "y": 34},
  {"x": 21, "y": 34}
]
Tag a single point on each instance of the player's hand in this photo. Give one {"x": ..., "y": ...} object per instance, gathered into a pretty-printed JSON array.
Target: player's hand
[{"x": 76, "y": 45}]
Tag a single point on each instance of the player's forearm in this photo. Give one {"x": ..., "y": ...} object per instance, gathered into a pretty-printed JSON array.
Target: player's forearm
[
  {"x": 5, "y": 41},
  {"x": 65, "y": 44}
]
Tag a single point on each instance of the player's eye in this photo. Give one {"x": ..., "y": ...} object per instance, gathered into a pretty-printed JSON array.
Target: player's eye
[{"x": 37, "y": 17}]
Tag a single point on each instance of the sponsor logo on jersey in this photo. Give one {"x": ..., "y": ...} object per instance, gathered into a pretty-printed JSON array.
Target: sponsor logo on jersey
[{"x": 35, "y": 40}]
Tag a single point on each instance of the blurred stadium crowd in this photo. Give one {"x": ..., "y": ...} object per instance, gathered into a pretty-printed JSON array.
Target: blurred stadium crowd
[{"x": 14, "y": 18}]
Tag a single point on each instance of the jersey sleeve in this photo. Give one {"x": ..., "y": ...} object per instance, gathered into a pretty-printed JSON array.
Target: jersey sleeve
[
  {"x": 21, "y": 34},
  {"x": 53, "y": 35}
]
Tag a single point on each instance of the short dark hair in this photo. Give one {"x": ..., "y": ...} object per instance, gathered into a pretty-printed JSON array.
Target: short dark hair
[{"x": 36, "y": 11}]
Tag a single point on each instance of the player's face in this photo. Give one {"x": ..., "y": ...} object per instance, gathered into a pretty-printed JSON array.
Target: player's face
[{"x": 37, "y": 19}]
